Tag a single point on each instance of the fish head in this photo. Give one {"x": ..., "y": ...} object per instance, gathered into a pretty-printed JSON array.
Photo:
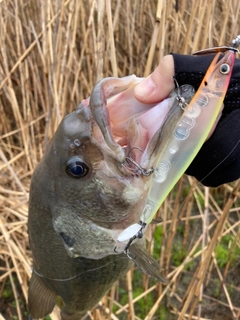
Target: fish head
[
  {"x": 89, "y": 192},
  {"x": 94, "y": 191},
  {"x": 90, "y": 178}
]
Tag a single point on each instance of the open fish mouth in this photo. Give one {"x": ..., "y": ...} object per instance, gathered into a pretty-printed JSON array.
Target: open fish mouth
[
  {"x": 127, "y": 136},
  {"x": 131, "y": 129},
  {"x": 118, "y": 139}
]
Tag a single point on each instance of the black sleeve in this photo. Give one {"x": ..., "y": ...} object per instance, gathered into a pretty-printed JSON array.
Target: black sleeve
[{"x": 218, "y": 161}]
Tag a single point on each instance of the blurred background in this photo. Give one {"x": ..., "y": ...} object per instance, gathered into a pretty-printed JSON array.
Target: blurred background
[{"x": 52, "y": 52}]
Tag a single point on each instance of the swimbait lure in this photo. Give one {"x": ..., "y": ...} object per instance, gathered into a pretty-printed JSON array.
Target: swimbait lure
[{"x": 187, "y": 137}]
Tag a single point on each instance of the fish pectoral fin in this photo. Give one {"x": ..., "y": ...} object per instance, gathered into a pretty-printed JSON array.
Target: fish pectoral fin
[
  {"x": 41, "y": 299},
  {"x": 145, "y": 261}
]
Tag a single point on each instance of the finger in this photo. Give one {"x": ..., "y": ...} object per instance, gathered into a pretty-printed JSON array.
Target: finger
[{"x": 159, "y": 84}]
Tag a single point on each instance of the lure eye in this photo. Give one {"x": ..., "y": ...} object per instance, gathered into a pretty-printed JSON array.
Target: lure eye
[
  {"x": 224, "y": 68},
  {"x": 76, "y": 168}
]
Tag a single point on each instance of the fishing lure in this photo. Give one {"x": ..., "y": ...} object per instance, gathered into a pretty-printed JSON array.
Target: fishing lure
[{"x": 187, "y": 137}]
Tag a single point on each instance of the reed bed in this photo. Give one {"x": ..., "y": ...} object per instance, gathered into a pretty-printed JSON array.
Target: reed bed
[{"x": 51, "y": 55}]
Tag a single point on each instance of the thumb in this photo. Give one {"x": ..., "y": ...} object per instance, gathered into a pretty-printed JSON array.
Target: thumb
[{"x": 159, "y": 84}]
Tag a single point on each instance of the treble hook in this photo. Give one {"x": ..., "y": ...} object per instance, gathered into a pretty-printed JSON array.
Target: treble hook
[
  {"x": 181, "y": 101},
  {"x": 138, "y": 235},
  {"x": 131, "y": 161}
]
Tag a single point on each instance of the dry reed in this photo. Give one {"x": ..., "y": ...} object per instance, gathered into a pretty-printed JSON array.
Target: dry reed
[{"x": 51, "y": 55}]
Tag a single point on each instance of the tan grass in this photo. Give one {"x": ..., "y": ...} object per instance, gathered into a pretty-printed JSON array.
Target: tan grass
[{"x": 51, "y": 55}]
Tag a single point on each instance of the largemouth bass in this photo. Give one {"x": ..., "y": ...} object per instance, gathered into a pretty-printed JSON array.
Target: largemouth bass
[{"x": 83, "y": 194}]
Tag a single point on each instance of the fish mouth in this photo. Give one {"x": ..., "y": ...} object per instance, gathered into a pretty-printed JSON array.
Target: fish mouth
[{"x": 130, "y": 129}]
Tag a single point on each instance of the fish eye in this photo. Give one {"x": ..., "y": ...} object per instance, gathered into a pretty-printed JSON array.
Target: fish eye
[
  {"x": 76, "y": 168},
  {"x": 224, "y": 68}
]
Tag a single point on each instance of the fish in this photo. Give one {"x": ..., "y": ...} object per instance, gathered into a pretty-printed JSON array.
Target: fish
[{"x": 88, "y": 188}]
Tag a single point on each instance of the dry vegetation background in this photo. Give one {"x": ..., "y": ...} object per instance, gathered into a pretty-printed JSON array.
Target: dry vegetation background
[{"x": 51, "y": 54}]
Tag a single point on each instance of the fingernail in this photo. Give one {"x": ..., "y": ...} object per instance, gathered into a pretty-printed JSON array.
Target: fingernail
[{"x": 145, "y": 88}]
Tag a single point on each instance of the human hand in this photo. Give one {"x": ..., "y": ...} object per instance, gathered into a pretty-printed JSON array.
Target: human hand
[{"x": 158, "y": 85}]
